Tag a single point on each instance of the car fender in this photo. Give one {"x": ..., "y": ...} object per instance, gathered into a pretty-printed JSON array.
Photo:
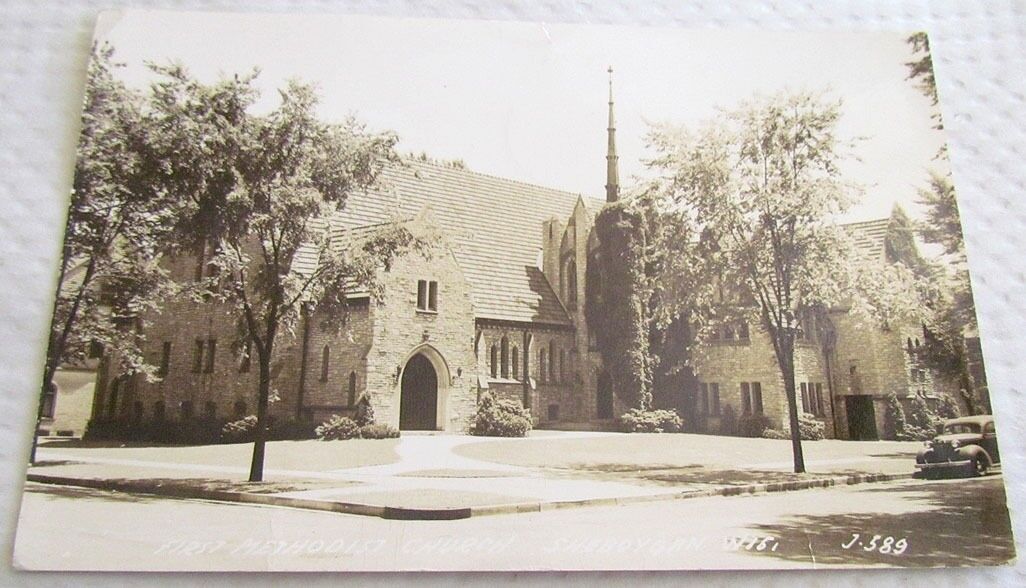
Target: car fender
[{"x": 970, "y": 451}]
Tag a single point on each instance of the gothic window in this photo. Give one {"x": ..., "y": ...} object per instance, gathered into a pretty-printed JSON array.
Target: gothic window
[
  {"x": 197, "y": 357},
  {"x": 244, "y": 361},
  {"x": 495, "y": 361},
  {"x": 325, "y": 362},
  {"x": 165, "y": 359},
  {"x": 211, "y": 350},
  {"x": 751, "y": 398},
  {"x": 158, "y": 411},
  {"x": 137, "y": 411},
  {"x": 542, "y": 371},
  {"x": 571, "y": 284},
  {"x": 515, "y": 362},
  {"x": 504, "y": 357},
  {"x": 351, "y": 393},
  {"x": 553, "y": 374}
]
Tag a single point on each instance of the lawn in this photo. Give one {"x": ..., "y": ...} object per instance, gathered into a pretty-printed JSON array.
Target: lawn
[{"x": 664, "y": 455}]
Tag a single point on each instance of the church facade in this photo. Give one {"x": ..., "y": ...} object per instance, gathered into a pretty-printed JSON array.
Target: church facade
[{"x": 498, "y": 307}]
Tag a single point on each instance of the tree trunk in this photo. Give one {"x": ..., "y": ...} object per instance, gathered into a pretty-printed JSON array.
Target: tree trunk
[
  {"x": 787, "y": 369},
  {"x": 256, "y": 467}
]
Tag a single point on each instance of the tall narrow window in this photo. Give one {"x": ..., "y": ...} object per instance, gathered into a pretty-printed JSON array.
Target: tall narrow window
[
  {"x": 571, "y": 284},
  {"x": 757, "y": 397},
  {"x": 210, "y": 410},
  {"x": 504, "y": 357},
  {"x": 201, "y": 260},
  {"x": 742, "y": 332},
  {"x": 239, "y": 409},
  {"x": 211, "y": 351},
  {"x": 819, "y": 399},
  {"x": 494, "y": 367},
  {"x": 351, "y": 393},
  {"x": 542, "y": 371},
  {"x": 703, "y": 398},
  {"x": 186, "y": 410},
  {"x": 514, "y": 361},
  {"x": 746, "y": 398},
  {"x": 806, "y": 403},
  {"x": 165, "y": 359},
  {"x": 197, "y": 356},
  {"x": 562, "y": 365},
  {"x": 247, "y": 352},
  {"x": 427, "y": 295},
  {"x": 325, "y": 361},
  {"x": 553, "y": 375},
  {"x": 714, "y": 400},
  {"x": 158, "y": 411}
]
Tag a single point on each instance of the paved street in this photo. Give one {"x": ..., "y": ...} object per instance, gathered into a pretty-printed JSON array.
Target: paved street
[{"x": 950, "y": 522}]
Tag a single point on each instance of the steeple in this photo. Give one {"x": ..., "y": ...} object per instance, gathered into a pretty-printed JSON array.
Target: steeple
[{"x": 612, "y": 161}]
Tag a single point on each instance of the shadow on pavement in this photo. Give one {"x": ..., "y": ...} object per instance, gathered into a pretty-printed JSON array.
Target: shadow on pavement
[{"x": 957, "y": 523}]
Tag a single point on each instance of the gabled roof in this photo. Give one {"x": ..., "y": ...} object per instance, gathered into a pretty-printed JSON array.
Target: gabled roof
[
  {"x": 494, "y": 226},
  {"x": 870, "y": 237}
]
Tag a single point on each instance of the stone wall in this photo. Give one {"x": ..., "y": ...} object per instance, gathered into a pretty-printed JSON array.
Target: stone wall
[{"x": 400, "y": 330}]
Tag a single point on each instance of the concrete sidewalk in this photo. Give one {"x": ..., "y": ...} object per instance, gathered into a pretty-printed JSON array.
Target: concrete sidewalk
[{"x": 430, "y": 479}]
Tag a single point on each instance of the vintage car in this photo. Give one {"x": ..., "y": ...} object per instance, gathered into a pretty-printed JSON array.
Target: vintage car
[{"x": 964, "y": 445}]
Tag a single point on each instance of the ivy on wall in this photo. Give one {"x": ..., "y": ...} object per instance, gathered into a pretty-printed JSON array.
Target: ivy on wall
[{"x": 618, "y": 302}]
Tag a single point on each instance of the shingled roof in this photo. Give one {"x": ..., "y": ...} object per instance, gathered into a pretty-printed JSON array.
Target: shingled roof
[
  {"x": 869, "y": 237},
  {"x": 494, "y": 226}
]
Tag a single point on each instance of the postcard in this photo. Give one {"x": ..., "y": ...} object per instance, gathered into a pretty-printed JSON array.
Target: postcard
[{"x": 349, "y": 293}]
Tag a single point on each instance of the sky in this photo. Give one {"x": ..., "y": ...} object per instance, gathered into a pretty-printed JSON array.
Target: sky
[{"x": 528, "y": 101}]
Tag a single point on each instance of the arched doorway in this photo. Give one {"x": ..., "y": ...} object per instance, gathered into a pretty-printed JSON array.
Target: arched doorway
[{"x": 418, "y": 400}]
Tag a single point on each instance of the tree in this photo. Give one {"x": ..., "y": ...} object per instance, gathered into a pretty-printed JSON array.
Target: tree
[
  {"x": 953, "y": 309},
  {"x": 113, "y": 234},
  {"x": 253, "y": 191},
  {"x": 762, "y": 184}
]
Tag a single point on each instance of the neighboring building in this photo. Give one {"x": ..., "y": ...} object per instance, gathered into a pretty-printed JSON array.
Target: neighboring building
[
  {"x": 497, "y": 307},
  {"x": 66, "y": 410}
]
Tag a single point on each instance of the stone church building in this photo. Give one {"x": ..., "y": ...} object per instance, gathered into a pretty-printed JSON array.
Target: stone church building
[{"x": 498, "y": 307}]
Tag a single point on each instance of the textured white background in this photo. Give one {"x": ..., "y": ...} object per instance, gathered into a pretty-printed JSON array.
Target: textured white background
[{"x": 978, "y": 53}]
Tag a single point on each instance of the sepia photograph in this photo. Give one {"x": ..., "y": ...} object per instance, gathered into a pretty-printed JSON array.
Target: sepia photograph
[{"x": 354, "y": 293}]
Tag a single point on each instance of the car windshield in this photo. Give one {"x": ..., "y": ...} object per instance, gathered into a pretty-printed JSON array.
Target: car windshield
[{"x": 955, "y": 428}]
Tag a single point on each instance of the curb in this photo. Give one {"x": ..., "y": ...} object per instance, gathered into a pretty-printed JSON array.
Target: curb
[{"x": 451, "y": 513}]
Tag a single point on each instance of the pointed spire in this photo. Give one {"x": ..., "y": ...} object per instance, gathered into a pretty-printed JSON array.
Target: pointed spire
[{"x": 612, "y": 161}]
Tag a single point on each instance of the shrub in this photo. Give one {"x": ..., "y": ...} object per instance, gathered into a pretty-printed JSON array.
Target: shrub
[
  {"x": 895, "y": 424},
  {"x": 774, "y": 434},
  {"x": 922, "y": 422},
  {"x": 948, "y": 408},
  {"x": 364, "y": 412},
  {"x": 650, "y": 421},
  {"x": 752, "y": 425},
  {"x": 240, "y": 431},
  {"x": 500, "y": 418},
  {"x": 292, "y": 430},
  {"x": 338, "y": 428},
  {"x": 810, "y": 428},
  {"x": 378, "y": 431}
]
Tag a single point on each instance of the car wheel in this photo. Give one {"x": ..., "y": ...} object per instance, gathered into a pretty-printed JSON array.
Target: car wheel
[{"x": 979, "y": 465}]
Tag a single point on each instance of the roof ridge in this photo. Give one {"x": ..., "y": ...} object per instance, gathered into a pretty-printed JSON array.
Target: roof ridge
[{"x": 467, "y": 170}]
